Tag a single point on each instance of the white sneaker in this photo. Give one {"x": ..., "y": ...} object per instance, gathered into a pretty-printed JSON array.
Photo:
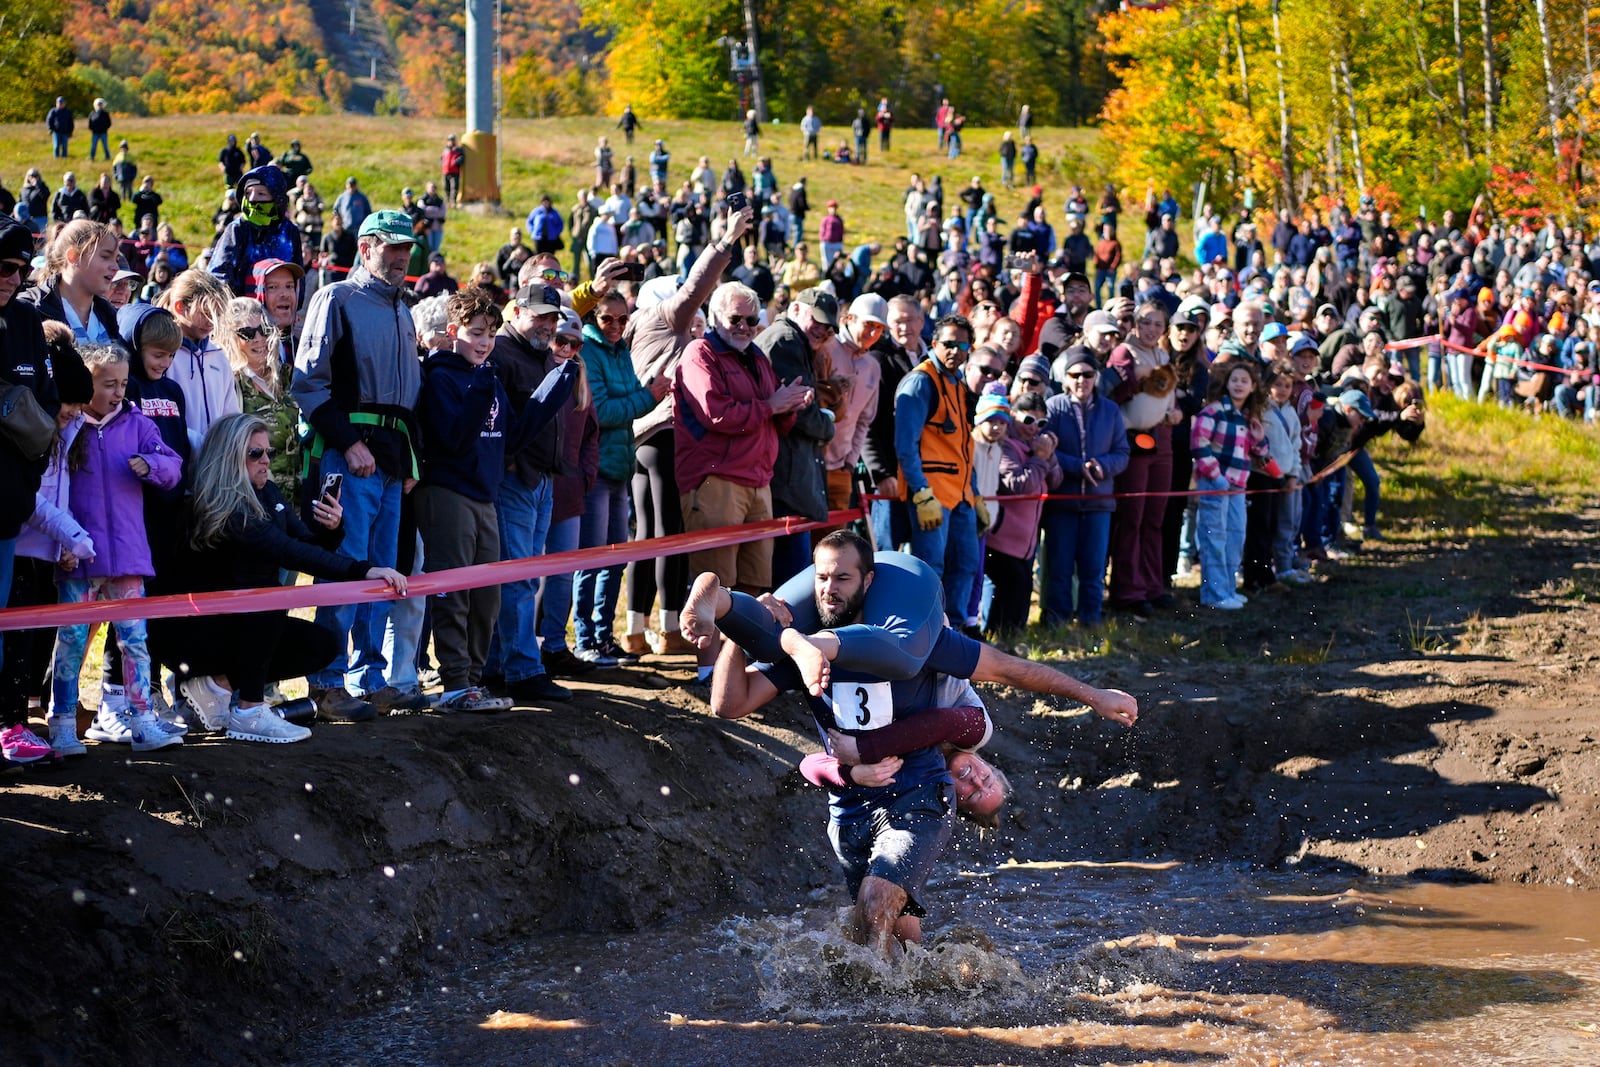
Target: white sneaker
[
  {"x": 64, "y": 739},
  {"x": 1228, "y": 605},
  {"x": 263, "y": 723},
  {"x": 208, "y": 700},
  {"x": 1239, "y": 600},
  {"x": 110, "y": 726},
  {"x": 171, "y": 721},
  {"x": 147, "y": 733}
]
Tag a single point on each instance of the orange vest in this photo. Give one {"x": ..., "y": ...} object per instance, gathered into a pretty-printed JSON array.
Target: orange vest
[{"x": 946, "y": 441}]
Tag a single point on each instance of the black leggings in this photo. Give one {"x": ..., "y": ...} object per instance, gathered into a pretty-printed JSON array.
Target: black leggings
[
  {"x": 27, "y": 652},
  {"x": 656, "y": 513},
  {"x": 251, "y": 649},
  {"x": 1013, "y": 592}
]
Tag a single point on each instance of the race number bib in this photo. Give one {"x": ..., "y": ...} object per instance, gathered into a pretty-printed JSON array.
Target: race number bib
[{"x": 862, "y": 705}]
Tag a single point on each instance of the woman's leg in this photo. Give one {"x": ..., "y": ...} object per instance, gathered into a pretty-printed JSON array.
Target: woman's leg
[
  {"x": 591, "y": 534},
  {"x": 1211, "y": 533},
  {"x": 555, "y": 591},
  {"x": 1126, "y": 589},
  {"x": 1094, "y": 542},
  {"x": 1261, "y": 521},
  {"x": 610, "y": 582}
]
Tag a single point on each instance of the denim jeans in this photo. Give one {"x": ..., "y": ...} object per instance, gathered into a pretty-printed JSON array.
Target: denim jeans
[
  {"x": 1283, "y": 558},
  {"x": 829, "y": 250},
  {"x": 555, "y": 590},
  {"x": 951, "y": 549},
  {"x": 72, "y": 642},
  {"x": 100, "y": 141},
  {"x": 1313, "y": 500},
  {"x": 403, "y": 633},
  {"x": 1460, "y": 366},
  {"x": 884, "y": 524},
  {"x": 58, "y": 144},
  {"x": 1363, "y": 468},
  {"x": 1105, "y": 286},
  {"x": 1075, "y": 545},
  {"x": 1219, "y": 528},
  {"x": 371, "y": 532},
  {"x": 605, "y": 522},
  {"x": 524, "y": 516}
]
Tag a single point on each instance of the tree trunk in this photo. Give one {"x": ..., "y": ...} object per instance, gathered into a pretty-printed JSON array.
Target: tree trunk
[
  {"x": 1285, "y": 147},
  {"x": 1355, "y": 127},
  {"x": 1491, "y": 93},
  {"x": 1542, "y": 7},
  {"x": 1461, "y": 75},
  {"x": 1244, "y": 69}
]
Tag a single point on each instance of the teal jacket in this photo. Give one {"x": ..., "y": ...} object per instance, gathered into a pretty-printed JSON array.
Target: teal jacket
[{"x": 618, "y": 400}]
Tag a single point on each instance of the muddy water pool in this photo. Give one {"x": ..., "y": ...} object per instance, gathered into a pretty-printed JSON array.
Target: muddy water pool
[{"x": 1041, "y": 963}]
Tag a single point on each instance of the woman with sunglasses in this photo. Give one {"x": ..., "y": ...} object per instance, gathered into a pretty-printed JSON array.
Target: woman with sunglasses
[
  {"x": 1186, "y": 353},
  {"x": 1093, "y": 450},
  {"x": 251, "y": 342},
  {"x": 619, "y": 399},
  {"x": 242, "y": 533}
]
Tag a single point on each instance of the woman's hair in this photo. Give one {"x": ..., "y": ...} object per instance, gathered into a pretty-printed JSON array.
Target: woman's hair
[
  {"x": 222, "y": 488},
  {"x": 1028, "y": 400},
  {"x": 244, "y": 311},
  {"x": 94, "y": 357},
  {"x": 1280, "y": 369},
  {"x": 430, "y": 317},
  {"x": 1186, "y": 361},
  {"x": 80, "y": 236},
  {"x": 1255, "y": 403},
  {"x": 197, "y": 290},
  {"x": 991, "y": 820}
]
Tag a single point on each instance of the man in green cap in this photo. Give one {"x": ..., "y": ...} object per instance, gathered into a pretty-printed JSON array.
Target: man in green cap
[{"x": 356, "y": 381}]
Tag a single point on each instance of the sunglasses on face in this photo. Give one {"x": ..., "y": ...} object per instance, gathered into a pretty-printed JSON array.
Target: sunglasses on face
[
  {"x": 256, "y": 455},
  {"x": 988, "y": 373},
  {"x": 9, "y": 268},
  {"x": 1028, "y": 420},
  {"x": 565, "y": 342},
  {"x": 250, "y": 333},
  {"x": 552, "y": 275},
  {"x": 751, "y": 321},
  {"x": 1030, "y": 383},
  {"x": 603, "y": 319},
  {"x": 954, "y": 346},
  {"x": 1082, "y": 374}
]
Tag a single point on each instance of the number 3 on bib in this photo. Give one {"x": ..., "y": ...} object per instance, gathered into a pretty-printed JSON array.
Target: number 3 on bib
[{"x": 862, "y": 705}]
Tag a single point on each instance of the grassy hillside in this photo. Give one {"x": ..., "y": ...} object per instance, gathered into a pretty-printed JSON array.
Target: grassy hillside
[{"x": 538, "y": 156}]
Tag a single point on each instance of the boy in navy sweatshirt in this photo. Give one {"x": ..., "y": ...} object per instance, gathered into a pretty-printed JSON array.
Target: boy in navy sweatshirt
[{"x": 468, "y": 427}]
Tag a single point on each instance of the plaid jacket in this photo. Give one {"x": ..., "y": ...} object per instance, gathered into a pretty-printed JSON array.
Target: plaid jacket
[{"x": 1223, "y": 443}]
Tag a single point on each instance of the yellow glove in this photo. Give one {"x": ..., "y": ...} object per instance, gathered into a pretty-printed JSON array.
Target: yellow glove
[
  {"x": 982, "y": 509},
  {"x": 930, "y": 513}
]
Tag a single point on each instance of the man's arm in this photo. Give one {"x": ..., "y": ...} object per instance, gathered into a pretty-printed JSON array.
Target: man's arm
[{"x": 997, "y": 666}]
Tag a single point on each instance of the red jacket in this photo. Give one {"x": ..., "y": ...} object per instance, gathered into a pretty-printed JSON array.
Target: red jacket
[{"x": 723, "y": 425}]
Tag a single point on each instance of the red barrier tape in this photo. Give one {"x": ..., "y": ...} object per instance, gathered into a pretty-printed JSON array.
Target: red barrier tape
[
  {"x": 331, "y": 594},
  {"x": 1437, "y": 339}
]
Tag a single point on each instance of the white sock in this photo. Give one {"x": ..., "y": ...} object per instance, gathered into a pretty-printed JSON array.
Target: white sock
[
  {"x": 669, "y": 622},
  {"x": 638, "y": 621},
  {"x": 704, "y": 674}
]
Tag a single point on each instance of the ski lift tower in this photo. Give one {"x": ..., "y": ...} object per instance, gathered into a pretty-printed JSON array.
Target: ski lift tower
[
  {"x": 480, "y": 177},
  {"x": 744, "y": 66}
]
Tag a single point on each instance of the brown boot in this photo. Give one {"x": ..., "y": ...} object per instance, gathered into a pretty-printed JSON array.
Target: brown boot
[{"x": 634, "y": 644}]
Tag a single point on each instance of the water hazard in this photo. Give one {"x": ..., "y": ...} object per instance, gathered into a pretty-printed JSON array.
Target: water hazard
[{"x": 1044, "y": 963}]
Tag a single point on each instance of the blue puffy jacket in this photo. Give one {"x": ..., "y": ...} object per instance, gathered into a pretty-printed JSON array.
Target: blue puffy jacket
[
  {"x": 1104, "y": 438},
  {"x": 243, "y": 243}
]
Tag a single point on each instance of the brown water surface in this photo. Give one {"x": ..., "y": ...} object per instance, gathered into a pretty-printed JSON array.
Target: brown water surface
[{"x": 1044, "y": 963}]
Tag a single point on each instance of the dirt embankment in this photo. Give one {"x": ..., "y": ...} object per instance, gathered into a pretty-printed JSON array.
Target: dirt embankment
[{"x": 203, "y": 904}]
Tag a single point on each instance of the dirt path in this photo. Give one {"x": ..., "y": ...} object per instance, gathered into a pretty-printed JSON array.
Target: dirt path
[{"x": 210, "y": 900}]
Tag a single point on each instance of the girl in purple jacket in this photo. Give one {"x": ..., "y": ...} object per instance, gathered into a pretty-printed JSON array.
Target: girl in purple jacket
[{"x": 116, "y": 453}]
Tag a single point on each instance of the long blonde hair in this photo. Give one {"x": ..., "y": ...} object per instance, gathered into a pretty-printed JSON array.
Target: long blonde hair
[
  {"x": 199, "y": 290},
  {"x": 240, "y": 310},
  {"x": 79, "y": 235},
  {"x": 222, "y": 488}
]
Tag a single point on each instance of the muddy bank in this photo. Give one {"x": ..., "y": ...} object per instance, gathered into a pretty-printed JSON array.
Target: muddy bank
[{"x": 1421, "y": 713}]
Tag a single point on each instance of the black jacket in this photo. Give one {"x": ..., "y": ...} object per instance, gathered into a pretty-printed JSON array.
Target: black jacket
[
  {"x": 252, "y": 551},
  {"x": 22, "y": 362},
  {"x": 799, "y": 477},
  {"x": 46, "y": 299}
]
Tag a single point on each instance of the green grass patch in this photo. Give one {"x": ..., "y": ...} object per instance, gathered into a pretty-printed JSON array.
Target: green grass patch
[{"x": 539, "y": 156}]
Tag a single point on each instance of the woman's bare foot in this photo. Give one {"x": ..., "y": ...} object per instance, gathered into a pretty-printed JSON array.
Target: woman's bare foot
[{"x": 707, "y": 601}]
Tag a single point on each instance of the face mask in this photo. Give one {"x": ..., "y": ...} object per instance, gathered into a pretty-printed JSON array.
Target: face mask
[{"x": 260, "y": 214}]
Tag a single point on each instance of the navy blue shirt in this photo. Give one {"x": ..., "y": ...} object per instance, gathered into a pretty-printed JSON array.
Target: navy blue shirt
[{"x": 855, "y": 703}]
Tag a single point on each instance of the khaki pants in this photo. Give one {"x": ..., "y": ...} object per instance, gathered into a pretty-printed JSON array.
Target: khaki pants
[{"x": 718, "y": 502}]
